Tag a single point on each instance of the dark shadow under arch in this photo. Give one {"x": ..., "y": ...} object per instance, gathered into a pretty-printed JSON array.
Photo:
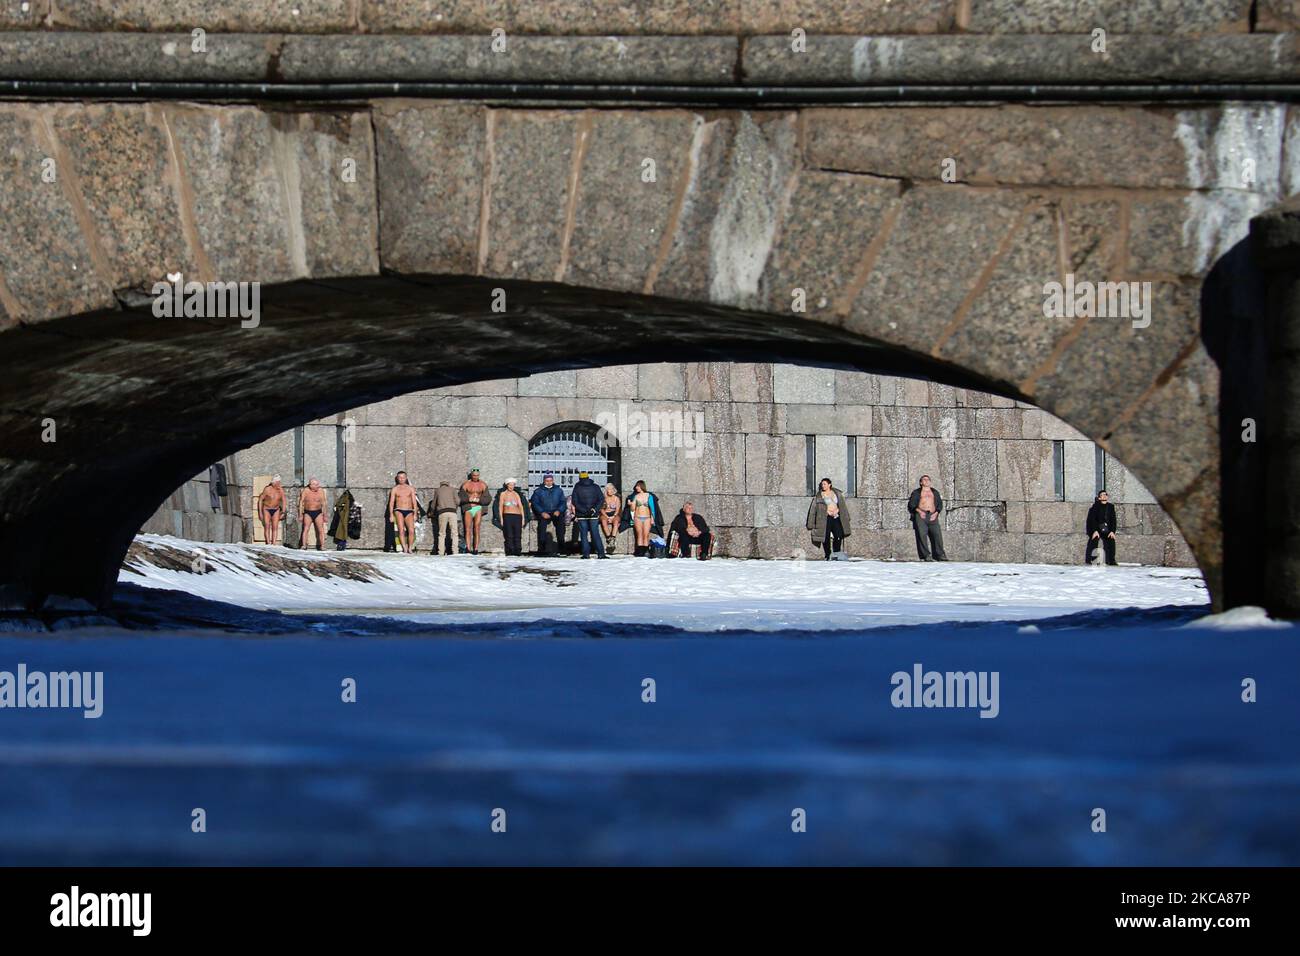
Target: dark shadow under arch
[{"x": 141, "y": 404}]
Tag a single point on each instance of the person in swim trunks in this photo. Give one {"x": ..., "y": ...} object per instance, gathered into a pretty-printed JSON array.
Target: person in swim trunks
[
  {"x": 473, "y": 497},
  {"x": 401, "y": 512},
  {"x": 311, "y": 509},
  {"x": 270, "y": 508}
]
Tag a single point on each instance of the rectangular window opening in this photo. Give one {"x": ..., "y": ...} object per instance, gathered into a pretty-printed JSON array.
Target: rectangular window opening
[{"x": 1058, "y": 469}]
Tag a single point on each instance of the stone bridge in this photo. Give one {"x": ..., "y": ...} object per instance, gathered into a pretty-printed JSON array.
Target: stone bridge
[{"x": 403, "y": 242}]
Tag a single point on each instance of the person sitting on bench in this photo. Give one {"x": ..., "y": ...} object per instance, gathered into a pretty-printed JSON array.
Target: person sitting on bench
[{"x": 688, "y": 531}]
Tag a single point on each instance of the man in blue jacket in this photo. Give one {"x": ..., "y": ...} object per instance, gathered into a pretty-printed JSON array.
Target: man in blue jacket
[
  {"x": 548, "y": 505},
  {"x": 588, "y": 498}
]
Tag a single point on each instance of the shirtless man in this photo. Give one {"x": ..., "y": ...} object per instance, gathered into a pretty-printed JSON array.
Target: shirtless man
[
  {"x": 311, "y": 510},
  {"x": 270, "y": 508},
  {"x": 474, "y": 488},
  {"x": 401, "y": 512}
]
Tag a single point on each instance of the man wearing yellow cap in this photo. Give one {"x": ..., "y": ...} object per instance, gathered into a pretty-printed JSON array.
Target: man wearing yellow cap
[{"x": 587, "y": 498}]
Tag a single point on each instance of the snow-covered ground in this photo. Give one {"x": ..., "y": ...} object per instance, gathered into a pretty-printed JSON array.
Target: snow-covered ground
[{"x": 720, "y": 594}]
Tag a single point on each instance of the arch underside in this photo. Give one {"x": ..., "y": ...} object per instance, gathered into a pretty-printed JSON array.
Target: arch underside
[{"x": 142, "y": 403}]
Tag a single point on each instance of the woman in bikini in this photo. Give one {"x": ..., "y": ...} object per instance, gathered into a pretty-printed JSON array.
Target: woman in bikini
[
  {"x": 609, "y": 516},
  {"x": 641, "y": 504}
]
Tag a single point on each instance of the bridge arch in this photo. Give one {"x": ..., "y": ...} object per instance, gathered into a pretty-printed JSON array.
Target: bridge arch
[{"x": 817, "y": 236}]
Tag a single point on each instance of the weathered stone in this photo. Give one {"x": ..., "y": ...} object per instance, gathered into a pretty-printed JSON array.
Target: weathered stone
[
  {"x": 1129, "y": 363},
  {"x": 135, "y": 56},
  {"x": 1185, "y": 235},
  {"x": 962, "y": 516},
  {"x": 797, "y": 384},
  {"x": 677, "y": 17},
  {"x": 240, "y": 200},
  {"x": 716, "y": 466},
  {"x": 911, "y": 392},
  {"x": 907, "y": 421},
  {"x": 746, "y": 417},
  {"x": 619, "y": 220},
  {"x": 775, "y": 465},
  {"x": 1122, "y": 485},
  {"x": 612, "y": 381},
  {"x": 850, "y": 16},
  {"x": 498, "y": 452},
  {"x": 531, "y": 164},
  {"x": 829, "y": 419},
  {"x": 231, "y": 16},
  {"x": 770, "y": 511},
  {"x": 427, "y": 221},
  {"x": 48, "y": 266},
  {"x": 549, "y": 385},
  {"x": 993, "y": 547},
  {"x": 23, "y": 16},
  {"x": 412, "y": 410},
  {"x": 1080, "y": 470},
  {"x": 882, "y": 468},
  {"x": 1005, "y": 334},
  {"x": 751, "y": 382},
  {"x": 504, "y": 387},
  {"x": 975, "y": 475},
  {"x": 449, "y": 410},
  {"x": 828, "y": 226},
  {"x": 1116, "y": 16},
  {"x": 124, "y": 174},
  {"x": 1054, "y": 548},
  {"x": 707, "y": 381},
  {"x": 1278, "y": 15},
  {"x": 1051, "y": 517},
  {"x": 320, "y": 454},
  {"x": 1018, "y": 59},
  {"x": 1025, "y": 471},
  {"x": 328, "y": 162},
  {"x": 657, "y": 467},
  {"x": 528, "y": 417},
  {"x": 1065, "y": 146},
  {"x": 930, "y": 264},
  {"x": 831, "y": 459},
  {"x": 604, "y": 59},
  {"x": 862, "y": 388},
  {"x": 379, "y": 452},
  {"x": 661, "y": 381}
]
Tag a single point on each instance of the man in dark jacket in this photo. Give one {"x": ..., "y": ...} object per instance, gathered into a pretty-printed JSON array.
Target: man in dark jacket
[
  {"x": 925, "y": 506},
  {"x": 1101, "y": 527},
  {"x": 548, "y": 508},
  {"x": 689, "y": 530},
  {"x": 587, "y": 499}
]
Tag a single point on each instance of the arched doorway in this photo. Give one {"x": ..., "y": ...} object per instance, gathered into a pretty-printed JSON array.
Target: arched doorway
[{"x": 567, "y": 449}]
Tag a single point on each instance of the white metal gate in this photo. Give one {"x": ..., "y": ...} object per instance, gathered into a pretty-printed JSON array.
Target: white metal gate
[{"x": 568, "y": 450}]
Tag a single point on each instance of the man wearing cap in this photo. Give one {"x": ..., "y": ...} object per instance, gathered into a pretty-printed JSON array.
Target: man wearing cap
[
  {"x": 474, "y": 497},
  {"x": 587, "y": 499},
  {"x": 510, "y": 514},
  {"x": 549, "y": 505}
]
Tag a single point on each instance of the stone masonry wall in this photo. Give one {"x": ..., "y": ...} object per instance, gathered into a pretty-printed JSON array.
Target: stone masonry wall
[{"x": 991, "y": 458}]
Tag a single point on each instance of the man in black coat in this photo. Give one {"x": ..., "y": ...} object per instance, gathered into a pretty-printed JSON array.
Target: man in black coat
[
  {"x": 689, "y": 530},
  {"x": 587, "y": 499},
  {"x": 925, "y": 505},
  {"x": 1101, "y": 527}
]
